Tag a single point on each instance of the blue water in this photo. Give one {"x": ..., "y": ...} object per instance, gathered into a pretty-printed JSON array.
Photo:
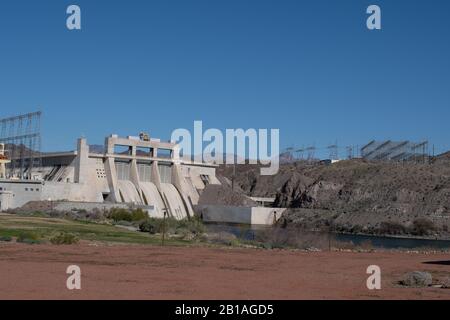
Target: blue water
[{"x": 393, "y": 243}]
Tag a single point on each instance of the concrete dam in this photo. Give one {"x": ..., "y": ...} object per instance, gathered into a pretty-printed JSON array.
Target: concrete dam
[{"x": 139, "y": 171}]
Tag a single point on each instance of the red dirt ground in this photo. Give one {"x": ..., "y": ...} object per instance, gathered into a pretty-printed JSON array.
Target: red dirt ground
[{"x": 150, "y": 272}]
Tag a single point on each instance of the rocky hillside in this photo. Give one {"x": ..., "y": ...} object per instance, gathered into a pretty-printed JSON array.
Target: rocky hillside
[{"x": 355, "y": 194}]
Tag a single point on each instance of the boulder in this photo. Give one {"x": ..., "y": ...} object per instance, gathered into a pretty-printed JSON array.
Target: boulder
[
  {"x": 446, "y": 283},
  {"x": 417, "y": 279}
]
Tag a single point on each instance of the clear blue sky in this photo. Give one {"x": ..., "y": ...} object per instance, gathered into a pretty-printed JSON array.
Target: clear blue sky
[{"x": 309, "y": 68}]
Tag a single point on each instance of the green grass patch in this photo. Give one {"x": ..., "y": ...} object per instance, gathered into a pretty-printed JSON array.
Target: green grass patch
[
  {"x": 38, "y": 214},
  {"x": 36, "y": 229}
]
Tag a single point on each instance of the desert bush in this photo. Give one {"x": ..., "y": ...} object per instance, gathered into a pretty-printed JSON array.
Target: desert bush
[
  {"x": 173, "y": 226},
  {"x": 392, "y": 228},
  {"x": 422, "y": 227},
  {"x": 292, "y": 238},
  {"x": 64, "y": 238},
  {"x": 120, "y": 214},
  {"x": 221, "y": 237},
  {"x": 156, "y": 225},
  {"x": 193, "y": 225},
  {"x": 5, "y": 239}
]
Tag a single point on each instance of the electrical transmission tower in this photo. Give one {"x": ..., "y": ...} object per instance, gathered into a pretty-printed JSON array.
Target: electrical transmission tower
[
  {"x": 311, "y": 151},
  {"x": 300, "y": 153},
  {"x": 22, "y": 138},
  {"x": 350, "y": 152},
  {"x": 333, "y": 149},
  {"x": 290, "y": 154},
  {"x": 420, "y": 151}
]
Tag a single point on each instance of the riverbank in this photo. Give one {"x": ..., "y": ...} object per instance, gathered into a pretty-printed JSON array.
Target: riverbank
[
  {"x": 42, "y": 230},
  {"x": 441, "y": 237},
  {"x": 315, "y": 239}
]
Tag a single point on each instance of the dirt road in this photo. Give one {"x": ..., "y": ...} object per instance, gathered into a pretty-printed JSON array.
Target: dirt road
[{"x": 150, "y": 272}]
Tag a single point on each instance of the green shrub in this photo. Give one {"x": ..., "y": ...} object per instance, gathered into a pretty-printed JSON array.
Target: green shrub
[
  {"x": 194, "y": 225},
  {"x": 173, "y": 226},
  {"x": 64, "y": 238},
  {"x": 156, "y": 225},
  {"x": 138, "y": 215},
  {"x": 118, "y": 214},
  {"x": 28, "y": 237},
  {"x": 235, "y": 243},
  {"x": 147, "y": 226},
  {"x": 5, "y": 239}
]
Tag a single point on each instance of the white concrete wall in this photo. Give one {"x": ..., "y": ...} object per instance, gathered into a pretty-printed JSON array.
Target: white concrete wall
[
  {"x": 239, "y": 215},
  {"x": 266, "y": 216},
  {"x": 22, "y": 192},
  {"x": 5, "y": 200},
  {"x": 71, "y": 191},
  {"x": 242, "y": 215}
]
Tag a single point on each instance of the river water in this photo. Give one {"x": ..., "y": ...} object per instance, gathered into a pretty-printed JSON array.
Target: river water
[{"x": 248, "y": 232}]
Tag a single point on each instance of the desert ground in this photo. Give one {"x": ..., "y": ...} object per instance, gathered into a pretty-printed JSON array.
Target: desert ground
[{"x": 136, "y": 271}]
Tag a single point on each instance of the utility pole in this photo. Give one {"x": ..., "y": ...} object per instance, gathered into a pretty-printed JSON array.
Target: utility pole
[
  {"x": 51, "y": 205},
  {"x": 163, "y": 229},
  {"x": 234, "y": 175}
]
